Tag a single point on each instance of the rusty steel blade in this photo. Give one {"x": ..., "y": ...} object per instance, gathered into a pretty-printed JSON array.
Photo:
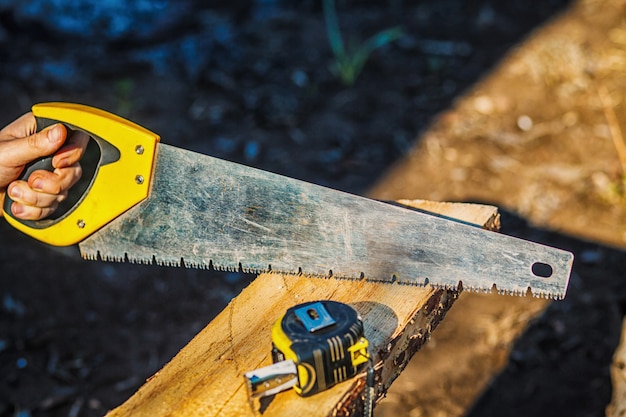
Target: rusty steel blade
[{"x": 206, "y": 212}]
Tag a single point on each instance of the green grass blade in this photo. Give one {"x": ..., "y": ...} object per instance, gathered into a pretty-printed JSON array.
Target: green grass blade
[{"x": 332, "y": 28}]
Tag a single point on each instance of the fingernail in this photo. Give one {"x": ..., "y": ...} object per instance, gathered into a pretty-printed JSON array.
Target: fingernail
[
  {"x": 55, "y": 134},
  {"x": 17, "y": 209},
  {"x": 15, "y": 192},
  {"x": 62, "y": 163},
  {"x": 38, "y": 184}
]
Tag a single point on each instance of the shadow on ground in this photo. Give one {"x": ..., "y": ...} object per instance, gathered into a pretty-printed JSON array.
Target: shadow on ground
[{"x": 560, "y": 364}]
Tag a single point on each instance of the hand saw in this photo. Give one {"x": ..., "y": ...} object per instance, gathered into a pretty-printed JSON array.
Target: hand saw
[{"x": 149, "y": 202}]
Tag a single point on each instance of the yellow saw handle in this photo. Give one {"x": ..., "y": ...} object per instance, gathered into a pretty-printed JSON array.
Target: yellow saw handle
[{"x": 124, "y": 155}]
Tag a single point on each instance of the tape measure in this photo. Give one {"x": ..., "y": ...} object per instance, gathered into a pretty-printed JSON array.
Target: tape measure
[{"x": 315, "y": 345}]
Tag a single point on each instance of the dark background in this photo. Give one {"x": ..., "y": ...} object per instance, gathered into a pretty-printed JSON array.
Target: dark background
[{"x": 248, "y": 81}]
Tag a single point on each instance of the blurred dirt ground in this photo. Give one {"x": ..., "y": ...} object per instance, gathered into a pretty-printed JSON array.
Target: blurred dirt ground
[
  {"x": 531, "y": 128},
  {"x": 539, "y": 137}
]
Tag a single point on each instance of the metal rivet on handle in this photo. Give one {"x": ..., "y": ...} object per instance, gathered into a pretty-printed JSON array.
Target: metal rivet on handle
[
  {"x": 139, "y": 179},
  {"x": 81, "y": 224},
  {"x": 139, "y": 150}
]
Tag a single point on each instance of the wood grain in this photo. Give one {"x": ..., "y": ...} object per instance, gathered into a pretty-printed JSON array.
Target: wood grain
[{"x": 205, "y": 378}]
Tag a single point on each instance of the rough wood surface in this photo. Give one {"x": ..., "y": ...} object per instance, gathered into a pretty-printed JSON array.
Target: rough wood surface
[{"x": 205, "y": 378}]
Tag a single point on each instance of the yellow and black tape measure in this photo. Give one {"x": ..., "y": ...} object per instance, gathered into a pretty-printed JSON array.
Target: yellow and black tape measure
[
  {"x": 315, "y": 345},
  {"x": 325, "y": 340}
]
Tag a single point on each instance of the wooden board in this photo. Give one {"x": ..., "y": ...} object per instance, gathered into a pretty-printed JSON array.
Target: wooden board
[{"x": 206, "y": 377}]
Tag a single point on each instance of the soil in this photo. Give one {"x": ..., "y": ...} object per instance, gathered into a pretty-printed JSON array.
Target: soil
[{"x": 496, "y": 102}]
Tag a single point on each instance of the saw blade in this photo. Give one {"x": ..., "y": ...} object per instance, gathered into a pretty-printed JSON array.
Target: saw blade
[{"x": 209, "y": 213}]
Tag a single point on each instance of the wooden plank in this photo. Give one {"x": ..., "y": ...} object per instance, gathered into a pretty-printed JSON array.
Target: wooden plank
[{"x": 205, "y": 378}]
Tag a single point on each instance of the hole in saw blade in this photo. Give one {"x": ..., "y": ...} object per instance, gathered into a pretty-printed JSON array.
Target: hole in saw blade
[{"x": 542, "y": 270}]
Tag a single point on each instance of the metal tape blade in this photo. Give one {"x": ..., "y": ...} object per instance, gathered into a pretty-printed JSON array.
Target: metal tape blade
[{"x": 203, "y": 212}]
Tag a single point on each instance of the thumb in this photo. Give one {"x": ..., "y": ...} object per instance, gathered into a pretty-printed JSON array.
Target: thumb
[{"x": 37, "y": 145}]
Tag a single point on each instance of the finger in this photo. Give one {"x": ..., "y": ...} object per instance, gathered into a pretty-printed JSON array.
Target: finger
[
  {"x": 25, "y": 212},
  {"x": 41, "y": 195},
  {"x": 19, "y": 151},
  {"x": 21, "y": 127},
  {"x": 56, "y": 182},
  {"x": 72, "y": 151},
  {"x": 22, "y": 193}
]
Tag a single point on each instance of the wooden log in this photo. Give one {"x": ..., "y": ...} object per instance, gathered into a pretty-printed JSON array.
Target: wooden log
[{"x": 206, "y": 377}]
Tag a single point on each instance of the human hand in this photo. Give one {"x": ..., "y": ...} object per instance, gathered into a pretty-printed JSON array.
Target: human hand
[{"x": 38, "y": 196}]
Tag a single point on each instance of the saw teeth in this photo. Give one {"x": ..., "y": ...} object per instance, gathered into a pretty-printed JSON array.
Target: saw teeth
[
  {"x": 446, "y": 287},
  {"x": 91, "y": 256},
  {"x": 198, "y": 265},
  {"x": 476, "y": 290},
  {"x": 547, "y": 295}
]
